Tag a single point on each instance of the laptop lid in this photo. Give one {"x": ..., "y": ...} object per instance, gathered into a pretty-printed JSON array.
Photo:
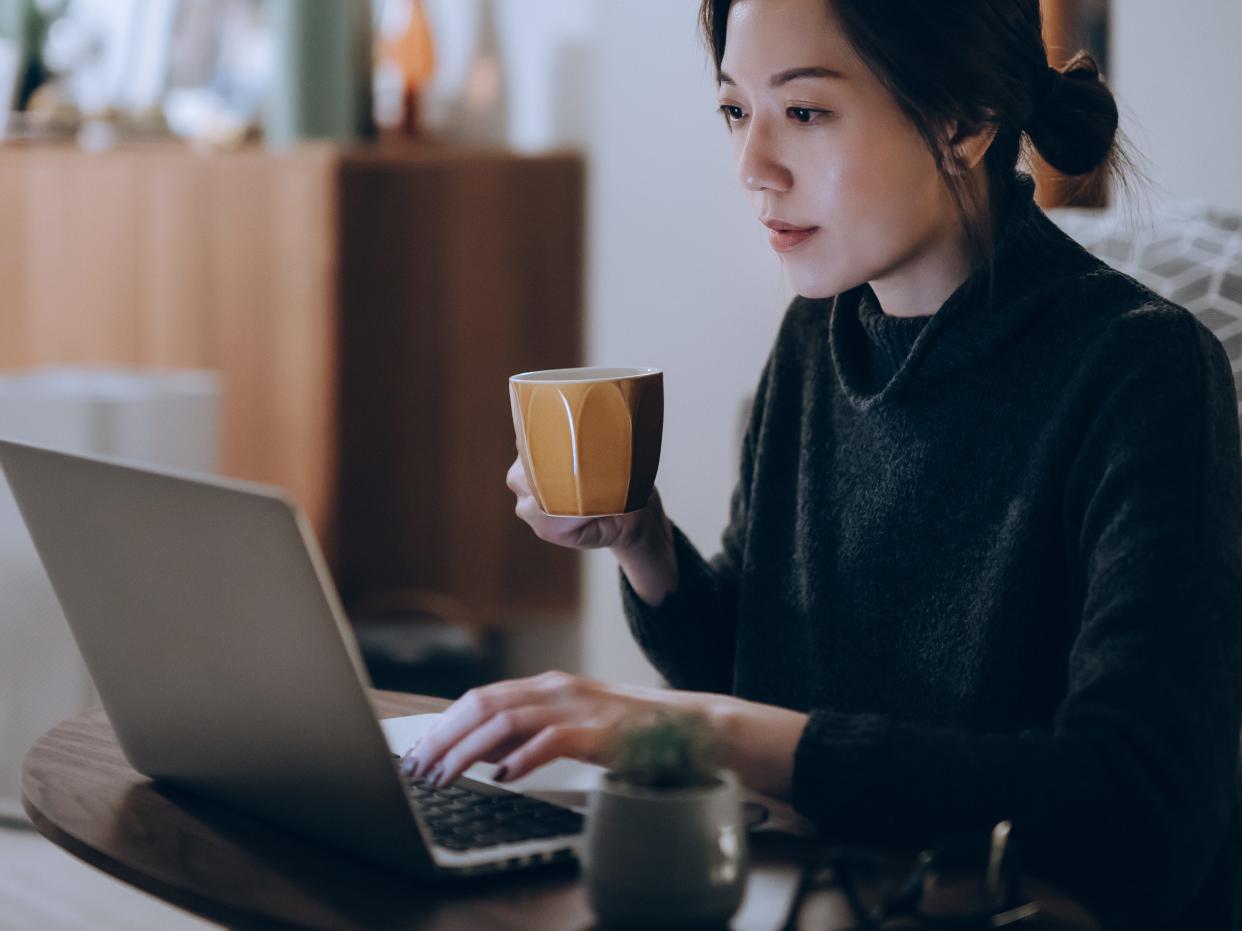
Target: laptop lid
[{"x": 205, "y": 615}]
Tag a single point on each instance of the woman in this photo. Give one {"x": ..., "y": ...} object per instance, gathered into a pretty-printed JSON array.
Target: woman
[{"x": 983, "y": 556}]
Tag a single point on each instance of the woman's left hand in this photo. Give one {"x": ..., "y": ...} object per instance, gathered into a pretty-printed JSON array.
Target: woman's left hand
[{"x": 524, "y": 723}]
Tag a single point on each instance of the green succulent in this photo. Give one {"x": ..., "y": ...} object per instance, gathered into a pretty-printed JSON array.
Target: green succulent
[{"x": 669, "y": 750}]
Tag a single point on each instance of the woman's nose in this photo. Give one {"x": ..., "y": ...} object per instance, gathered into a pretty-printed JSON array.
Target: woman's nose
[{"x": 759, "y": 165}]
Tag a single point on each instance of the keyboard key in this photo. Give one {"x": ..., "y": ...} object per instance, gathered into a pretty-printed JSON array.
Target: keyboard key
[{"x": 460, "y": 818}]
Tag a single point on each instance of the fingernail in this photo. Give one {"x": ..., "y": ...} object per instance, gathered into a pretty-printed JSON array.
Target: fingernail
[
  {"x": 434, "y": 778},
  {"x": 501, "y": 774},
  {"x": 409, "y": 765}
]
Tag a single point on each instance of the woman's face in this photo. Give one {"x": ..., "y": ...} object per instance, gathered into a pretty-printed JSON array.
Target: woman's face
[{"x": 832, "y": 154}]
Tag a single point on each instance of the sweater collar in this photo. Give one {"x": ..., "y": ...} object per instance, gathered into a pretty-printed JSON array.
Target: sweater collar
[
  {"x": 1033, "y": 257},
  {"x": 888, "y": 339}
]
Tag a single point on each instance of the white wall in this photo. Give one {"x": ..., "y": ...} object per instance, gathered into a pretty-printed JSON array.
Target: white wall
[
  {"x": 679, "y": 271},
  {"x": 680, "y": 277},
  {"x": 1176, "y": 72}
]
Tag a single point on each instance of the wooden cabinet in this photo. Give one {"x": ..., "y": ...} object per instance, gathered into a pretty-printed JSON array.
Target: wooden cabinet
[{"x": 364, "y": 309}]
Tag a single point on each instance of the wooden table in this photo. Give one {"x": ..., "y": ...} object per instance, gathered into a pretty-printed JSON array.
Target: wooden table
[{"x": 227, "y": 867}]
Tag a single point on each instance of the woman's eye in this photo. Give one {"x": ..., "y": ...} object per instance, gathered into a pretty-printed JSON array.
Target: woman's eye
[
  {"x": 803, "y": 114},
  {"x": 733, "y": 113}
]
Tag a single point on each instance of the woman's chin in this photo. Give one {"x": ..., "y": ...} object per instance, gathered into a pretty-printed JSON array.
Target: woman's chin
[{"x": 814, "y": 286}]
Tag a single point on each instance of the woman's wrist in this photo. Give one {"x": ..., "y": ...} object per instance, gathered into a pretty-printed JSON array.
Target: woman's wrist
[
  {"x": 758, "y": 741},
  {"x": 649, "y": 557}
]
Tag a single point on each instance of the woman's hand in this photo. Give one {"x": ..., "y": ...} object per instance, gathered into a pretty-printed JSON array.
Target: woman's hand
[
  {"x": 581, "y": 533},
  {"x": 524, "y": 723},
  {"x": 641, "y": 540}
]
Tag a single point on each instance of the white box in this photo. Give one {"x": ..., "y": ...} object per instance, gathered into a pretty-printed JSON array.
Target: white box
[{"x": 160, "y": 417}]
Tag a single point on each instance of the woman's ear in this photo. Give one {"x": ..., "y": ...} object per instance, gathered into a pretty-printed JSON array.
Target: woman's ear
[{"x": 969, "y": 145}]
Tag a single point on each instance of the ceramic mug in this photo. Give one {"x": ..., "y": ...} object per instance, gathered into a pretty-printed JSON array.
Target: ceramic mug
[
  {"x": 665, "y": 858},
  {"x": 589, "y": 438}
]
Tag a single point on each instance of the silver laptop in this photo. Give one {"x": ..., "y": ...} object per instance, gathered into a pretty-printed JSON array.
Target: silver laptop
[{"x": 215, "y": 638}]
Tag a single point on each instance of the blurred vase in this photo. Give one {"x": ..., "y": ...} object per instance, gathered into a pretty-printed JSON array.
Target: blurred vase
[
  {"x": 13, "y": 56},
  {"x": 321, "y": 71},
  {"x": 407, "y": 61},
  {"x": 481, "y": 113}
]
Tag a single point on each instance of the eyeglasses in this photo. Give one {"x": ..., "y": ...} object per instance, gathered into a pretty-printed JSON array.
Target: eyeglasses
[{"x": 995, "y": 901}]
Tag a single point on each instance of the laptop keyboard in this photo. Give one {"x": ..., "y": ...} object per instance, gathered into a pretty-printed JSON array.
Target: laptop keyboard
[{"x": 463, "y": 819}]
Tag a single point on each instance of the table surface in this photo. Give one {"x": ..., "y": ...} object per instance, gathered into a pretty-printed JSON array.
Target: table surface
[{"x": 228, "y": 867}]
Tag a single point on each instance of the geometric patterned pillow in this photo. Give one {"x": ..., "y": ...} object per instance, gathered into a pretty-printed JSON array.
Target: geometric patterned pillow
[{"x": 1190, "y": 254}]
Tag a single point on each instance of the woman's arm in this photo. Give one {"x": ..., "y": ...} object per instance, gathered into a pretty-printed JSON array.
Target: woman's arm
[
  {"x": 524, "y": 723},
  {"x": 682, "y": 608}
]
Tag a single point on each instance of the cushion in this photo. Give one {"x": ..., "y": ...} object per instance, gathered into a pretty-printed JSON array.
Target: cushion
[{"x": 1190, "y": 253}]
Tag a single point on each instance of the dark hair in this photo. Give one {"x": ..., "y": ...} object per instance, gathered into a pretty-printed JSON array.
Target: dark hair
[{"x": 979, "y": 62}]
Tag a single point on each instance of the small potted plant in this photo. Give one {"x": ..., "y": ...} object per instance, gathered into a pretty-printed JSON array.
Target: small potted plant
[{"x": 666, "y": 843}]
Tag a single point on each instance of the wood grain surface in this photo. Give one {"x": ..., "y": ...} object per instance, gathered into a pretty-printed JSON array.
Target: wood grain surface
[
  {"x": 364, "y": 309},
  {"x": 156, "y": 256},
  {"x": 455, "y": 274},
  {"x": 233, "y": 869}
]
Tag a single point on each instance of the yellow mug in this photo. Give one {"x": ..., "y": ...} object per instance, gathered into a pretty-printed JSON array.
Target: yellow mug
[{"x": 589, "y": 438}]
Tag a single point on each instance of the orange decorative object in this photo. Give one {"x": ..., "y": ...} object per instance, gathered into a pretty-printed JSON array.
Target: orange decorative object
[{"x": 412, "y": 50}]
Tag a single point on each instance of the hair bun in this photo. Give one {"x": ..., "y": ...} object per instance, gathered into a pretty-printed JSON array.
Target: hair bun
[
  {"x": 1073, "y": 116},
  {"x": 1044, "y": 86}
]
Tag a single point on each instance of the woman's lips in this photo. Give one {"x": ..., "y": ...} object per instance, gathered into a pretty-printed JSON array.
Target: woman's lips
[{"x": 784, "y": 240}]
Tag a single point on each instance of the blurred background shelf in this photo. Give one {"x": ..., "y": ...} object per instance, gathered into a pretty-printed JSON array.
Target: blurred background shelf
[{"x": 364, "y": 308}]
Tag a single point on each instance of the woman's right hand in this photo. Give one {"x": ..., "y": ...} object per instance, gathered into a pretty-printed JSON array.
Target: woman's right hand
[
  {"x": 581, "y": 533},
  {"x": 641, "y": 540}
]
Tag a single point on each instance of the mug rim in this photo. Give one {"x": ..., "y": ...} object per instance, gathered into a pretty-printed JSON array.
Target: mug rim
[
  {"x": 608, "y": 373},
  {"x": 723, "y": 781}
]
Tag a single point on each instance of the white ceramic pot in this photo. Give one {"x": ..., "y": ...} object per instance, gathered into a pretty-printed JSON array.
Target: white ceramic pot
[{"x": 667, "y": 858}]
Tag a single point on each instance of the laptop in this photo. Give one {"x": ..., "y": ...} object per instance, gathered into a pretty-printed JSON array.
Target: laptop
[{"x": 219, "y": 648}]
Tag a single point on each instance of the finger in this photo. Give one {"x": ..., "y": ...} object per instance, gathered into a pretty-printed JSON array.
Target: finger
[
  {"x": 516, "y": 725},
  {"x": 499, "y": 751},
  {"x": 409, "y": 761},
  {"x": 493, "y": 755},
  {"x": 467, "y": 713},
  {"x": 547, "y": 527},
  {"x": 551, "y": 743},
  {"x": 528, "y": 510},
  {"x": 516, "y": 478},
  {"x": 554, "y": 528}
]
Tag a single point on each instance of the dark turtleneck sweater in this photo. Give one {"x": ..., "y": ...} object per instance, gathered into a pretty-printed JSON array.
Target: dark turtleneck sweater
[
  {"x": 888, "y": 339},
  {"x": 995, "y": 556}
]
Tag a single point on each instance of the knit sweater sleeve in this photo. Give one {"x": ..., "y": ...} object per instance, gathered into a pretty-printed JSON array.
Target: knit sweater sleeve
[
  {"x": 689, "y": 637},
  {"x": 1124, "y": 802}
]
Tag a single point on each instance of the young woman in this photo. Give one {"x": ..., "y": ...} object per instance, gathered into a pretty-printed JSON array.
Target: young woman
[{"x": 983, "y": 558}]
